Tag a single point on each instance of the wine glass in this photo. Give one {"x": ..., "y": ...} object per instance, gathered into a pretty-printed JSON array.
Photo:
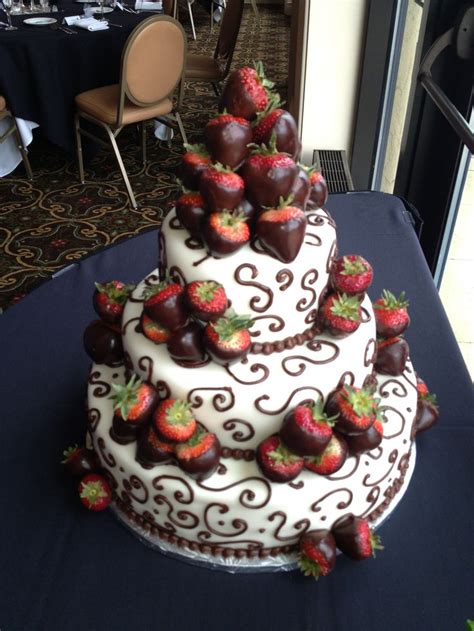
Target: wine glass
[
  {"x": 7, "y": 7},
  {"x": 101, "y": 5}
]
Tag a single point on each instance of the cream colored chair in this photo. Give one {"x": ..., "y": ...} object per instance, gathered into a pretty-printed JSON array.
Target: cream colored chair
[
  {"x": 216, "y": 68},
  {"x": 152, "y": 67},
  {"x": 12, "y": 129}
]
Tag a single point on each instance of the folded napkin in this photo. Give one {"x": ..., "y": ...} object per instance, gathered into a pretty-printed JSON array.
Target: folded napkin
[
  {"x": 146, "y": 5},
  {"x": 72, "y": 19},
  {"x": 91, "y": 24}
]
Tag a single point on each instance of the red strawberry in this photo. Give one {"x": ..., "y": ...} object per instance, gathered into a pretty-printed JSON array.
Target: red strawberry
[
  {"x": 225, "y": 233},
  {"x": 355, "y": 538},
  {"x": 79, "y": 461},
  {"x": 351, "y": 274},
  {"x": 391, "y": 315},
  {"x": 173, "y": 420},
  {"x": 301, "y": 188},
  {"x": 95, "y": 492},
  {"x": 186, "y": 345},
  {"x": 246, "y": 92},
  {"x": 190, "y": 210},
  {"x": 152, "y": 330},
  {"x": 340, "y": 314},
  {"x": 164, "y": 303},
  {"x": 421, "y": 386},
  {"x": 151, "y": 450},
  {"x": 427, "y": 413},
  {"x": 370, "y": 439},
  {"x": 356, "y": 409},
  {"x": 281, "y": 231},
  {"x": 276, "y": 462},
  {"x": 133, "y": 406},
  {"x": 332, "y": 458},
  {"x": 199, "y": 456},
  {"x": 109, "y": 300},
  {"x": 227, "y": 138},
  {"x": 278, "y": 124},
  {"x": 221, "y": 188},
  {"x": 228, "y": 339},
  {"x": 194, "y": 162},
  {"x": 307, "y": 429},
  {"x": 317, "y": 553},
  {"x": 103, "y": 343},
  {"x": 392, "y": 355},
  {"x": 269, "y": 176},
  {"x": 206, "y": 300},
  {"x": 319, "y": 189}
]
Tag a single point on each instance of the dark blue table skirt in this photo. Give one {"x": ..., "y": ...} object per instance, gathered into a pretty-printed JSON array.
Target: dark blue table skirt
[{"x": 64, "y": 569}]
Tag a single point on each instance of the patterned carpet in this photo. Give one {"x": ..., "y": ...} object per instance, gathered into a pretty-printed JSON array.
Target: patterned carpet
[{"x": 54, "y": 221}]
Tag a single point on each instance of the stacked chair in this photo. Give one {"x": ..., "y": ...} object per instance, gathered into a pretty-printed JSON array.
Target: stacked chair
[{"x": 12, "y": 129}]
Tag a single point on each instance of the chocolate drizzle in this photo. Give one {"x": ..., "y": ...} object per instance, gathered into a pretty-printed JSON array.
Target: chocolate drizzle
[
  {"x": 193, "y": 244},
  {"x": 347, "y": 474},
  {"x": 222, "y": 401},
  {"x": 285, "y": 277},
  {"x": 276, "y": 326},
  {"x": 392, "y": 458},
  {"x": 317, "y": 239},
  {"x": 266, "y": 397},
  {"x": 176, "y": 273},
  {"x": 106, "y": 457},
  {"x": 316, "y": 506},
  {"x": 393, "y": 387},
  {"x": 239, "y": 526},
  {"x": 137, "y": 328},
  {"x": 370, "y": 352},
  {"x": 331, "y": 256},
  {"x": 386, "y": 408},
  {"x": 254, "y": 368},
  {"x": 239, "y": 436},
  {"x": 300, "y": 527},
  {"x": 307, "y": 281},
  {"x": 103, "y": 387},
  {"x": 93, "y": 419},
  {"x": 146, "y": 364},
  {"x": 163, "y": 389},
  {"x": 255, "y": 300},
  {"x": 247, "y": 497},
  {"x": 314, "y": 346},
  {"x": 347, "y": 379},
  {"x": 134, "y": 483}
]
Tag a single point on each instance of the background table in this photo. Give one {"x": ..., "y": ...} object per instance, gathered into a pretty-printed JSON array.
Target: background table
[
  {"x": 42, "y": 70},
  {"x": 62, "y": 568}
]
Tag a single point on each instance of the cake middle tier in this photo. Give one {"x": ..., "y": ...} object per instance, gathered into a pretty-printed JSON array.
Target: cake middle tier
[
  {"x": 282, "y": 298},
  {"x": 246, "y": 402}
]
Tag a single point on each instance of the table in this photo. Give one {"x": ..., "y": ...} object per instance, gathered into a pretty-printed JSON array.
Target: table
[
  {"x": 42, "y": 69},
  {"x": 62, "y": 568}
]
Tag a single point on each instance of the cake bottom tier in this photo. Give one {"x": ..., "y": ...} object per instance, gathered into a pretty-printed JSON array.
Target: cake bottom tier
[{"x": 237, "y": 518}]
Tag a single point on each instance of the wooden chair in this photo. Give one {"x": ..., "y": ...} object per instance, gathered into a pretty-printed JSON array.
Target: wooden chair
[
  {"x": 152, "y": 66},
  {"x": 12, "y": 129},
  {"x": 216, "y": 68}
]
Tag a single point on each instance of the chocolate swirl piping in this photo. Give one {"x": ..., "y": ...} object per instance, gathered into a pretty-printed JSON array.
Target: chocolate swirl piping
[
  {"x": 135, "y": 483},
  {"x": 146, "y": 364},
  {"x": 390, "y": 422},
  {"x": 103, "y": 388},
  {"x": 106, "y": 457},
  {"x": 222, "y": 401},
  {"x": 394, "y": 387},
  {"x": 239, "y": 436},
  {"x": 266, "y": 397},
  {"x": 392, "y": 458},
  {"x": 316, "y": 507},
  {"x": 255, "y": 300},
  {"x": 370, "y": 352},
  {"x": 247, "y": 496},
  {"x": 315, "y": 346},
  {"x": 300, "y": 527},
  {"x": 276, "y": 326},
  {"x": 239, "y": 526},
  {"x": 308, "y": 279},
  {"x": 254, "y": 368},
  {"x": 286, "y": 278},
  {"x": 93, "y": 419}
]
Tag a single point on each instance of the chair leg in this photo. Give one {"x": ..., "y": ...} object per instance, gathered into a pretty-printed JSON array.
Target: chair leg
[
  {"x": 255, "y": 9},
  {"x": 181, "y": 128},
  {"x": 122, "y": 168},
  {"x": 24, "y": 153},
  {"x": 215, "y": 87},
  {"x": 143, "y": 135},
  {"x": 80, "y": 160},
  {"x": 190, "y": 10}
]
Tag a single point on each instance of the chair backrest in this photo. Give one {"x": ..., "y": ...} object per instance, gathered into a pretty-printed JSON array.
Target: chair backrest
[
  {"x": 153, "y": 61},
  {"x": 229, "y": 31}
]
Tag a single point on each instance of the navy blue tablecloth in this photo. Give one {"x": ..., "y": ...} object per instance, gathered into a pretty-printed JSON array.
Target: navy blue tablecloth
[{"x": 64, "y": 569}]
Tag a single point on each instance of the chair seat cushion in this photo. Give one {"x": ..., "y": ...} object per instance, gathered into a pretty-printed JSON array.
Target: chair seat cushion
[
  {"x": 102, "y": 103},
  {"x": 202, "y": 68},
  {"x": 3, "y": 103}
]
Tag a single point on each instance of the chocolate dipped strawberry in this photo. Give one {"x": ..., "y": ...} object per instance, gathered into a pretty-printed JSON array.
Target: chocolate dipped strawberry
[
  {"x": 186, "y": 345},
  {"x": 194, "y": 162},
  {"x": 199, "y": 456},
  {"x": 248, "y": 211},
  {"x": 246, "y": 92},
  {"x": 191, "y": 212},
  {"x": 427, "y": 413},
  {"x": 109, "y": 300},
  {"x": 164, "y": 303},
  {"x": 221, "y": 188},
  {"x": 331, "y": 460},
  {"x": 319, "y": 189},
  {"x": 355, "y": 538},
  {"x": 307, "y": 429},
  {"x": 226, "y": 232},
  {"x": 152, "y": 451},
  {"x": 134, "y": 403},
  {"x": 95, "y": 492},
  {"x": 103, "y": 343},
  {"x": 356, "y": 409},
  {"x": 282, "y": 230},
  {"x": 278, "y": 125},
  {"x": 340, "y": 314},
  {"x": 206, "y": 299},
  {"x": 227, "y": 138},
  {"x": 317, "y": 553},
  {"x": 392, "y": 355},
  {"x": 228, "y": 339},
  {"x": 173, "y": 420},
  {"x": 391, "y": 315},
  {"x": 351, "y": 274},
  {"x": 301, "y": 188},
  {"x": 276, "y": 461},
  {"x": 269, "y": 176},
  {"x": 368, "y": 440},
  {"x": 152, "y": 330},
  {"x": 79, "y": 461}
]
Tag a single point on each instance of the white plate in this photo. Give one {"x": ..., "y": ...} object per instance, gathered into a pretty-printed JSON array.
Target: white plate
[
  {"x": 98, "y": 10},
  {"x": 40, "y": 21}
]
